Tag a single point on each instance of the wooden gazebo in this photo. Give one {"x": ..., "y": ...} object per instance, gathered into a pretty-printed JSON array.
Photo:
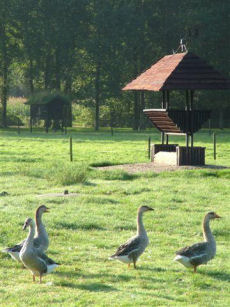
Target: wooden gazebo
[{"x": 181, "y": 71}]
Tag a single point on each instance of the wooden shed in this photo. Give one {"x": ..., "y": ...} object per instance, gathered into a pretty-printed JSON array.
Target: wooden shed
[
  {"x": 182, "y": 71},
  {"x": 54, "y": 108}
]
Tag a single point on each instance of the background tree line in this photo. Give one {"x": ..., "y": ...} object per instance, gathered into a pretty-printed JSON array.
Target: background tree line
[{"x": 90, "y": 49}]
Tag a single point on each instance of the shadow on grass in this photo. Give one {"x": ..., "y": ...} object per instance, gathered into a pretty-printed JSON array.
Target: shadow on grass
[
  {"x": 8, "y": 173},
  {"x": 88, "y": 183},
  {"x": 147, "y": 268},
  {"x": 102, "y": 200},
  {"x": 223, "y": 276},
  {"x": 125, "y": 227},
  {"x": 80, "y": 274},
  {"x": 96, "y": 287},
  {"x": 73, "y": 226}
]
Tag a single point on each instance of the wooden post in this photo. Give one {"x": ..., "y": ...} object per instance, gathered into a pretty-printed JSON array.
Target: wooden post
[
  {"x": 162, "y": 137},
  {"x": 214, "y": 145},
  {"x": 192, "y": 115},
  {"x": 192, "y": 140},
  {"x": 167, "y": 139},
  {"x": 65, "y": 130},
  {"x": 71, "y": 149},
  {"x": 187, "y": 140},
  {"x": 111, "y": 130},
  {"x": 149, "y": 147}
]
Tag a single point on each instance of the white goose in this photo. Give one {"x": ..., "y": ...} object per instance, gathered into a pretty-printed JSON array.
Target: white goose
[
  {"x": 131, "y": 250},
  {"x": 33, "y": 259},
  {"x": 200, "y": 253}
]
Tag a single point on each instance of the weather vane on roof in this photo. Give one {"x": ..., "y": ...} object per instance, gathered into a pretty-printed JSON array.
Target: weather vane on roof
[{"x": 182, "y": 47}]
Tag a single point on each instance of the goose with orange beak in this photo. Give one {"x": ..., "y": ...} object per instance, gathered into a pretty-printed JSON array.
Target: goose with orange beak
[
  {"x": 41, "y": 240},
  {"x": 33, "y": 259},
  {"x": 130, "y": 251},
  {"x": 199, "y": 253}
]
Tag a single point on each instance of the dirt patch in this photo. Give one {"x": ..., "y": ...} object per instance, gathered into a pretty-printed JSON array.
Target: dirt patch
[
  {"x": 145, "y": 167},
  {"x": 58, "y": 195}
]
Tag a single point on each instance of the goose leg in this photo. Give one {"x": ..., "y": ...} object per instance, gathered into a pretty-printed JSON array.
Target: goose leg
[
  {"x": 33, "y": 278},
  {"x": 194, "y": 269},
  {"x": 128, "y": 265},
  {"x": 134, "y": 264},
  {"x": 40, "y": 279}
]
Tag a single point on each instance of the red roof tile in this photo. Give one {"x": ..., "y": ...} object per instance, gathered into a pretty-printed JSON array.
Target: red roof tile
[{"x": 179, "y": 71}]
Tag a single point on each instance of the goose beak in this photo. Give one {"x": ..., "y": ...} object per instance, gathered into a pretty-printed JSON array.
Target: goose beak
[
  {"x": 151, "y": 209},
  {"x": 217, "y": 216},
  {"x": 24, "y": 226},
  {"x": 47, "y": 210}
]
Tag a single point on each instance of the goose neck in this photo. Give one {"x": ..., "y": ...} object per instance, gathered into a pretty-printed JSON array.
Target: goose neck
[
  {"x": 207, "y": 233},
  {"x": 40, "y": 228},
  {"x": 30, "y": 237},
  {"x": 140, "y": 226}
]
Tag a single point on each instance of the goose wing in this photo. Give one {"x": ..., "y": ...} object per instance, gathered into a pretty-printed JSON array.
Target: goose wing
[
  {"x": 45, "y": 258},
  {"x": 15, "y": 249},
  {"x": 128, "y": 247},
  {"x": 197, "y": 253}
]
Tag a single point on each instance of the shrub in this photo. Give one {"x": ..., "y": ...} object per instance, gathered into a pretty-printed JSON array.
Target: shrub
[{"x": 58, "y": 173}]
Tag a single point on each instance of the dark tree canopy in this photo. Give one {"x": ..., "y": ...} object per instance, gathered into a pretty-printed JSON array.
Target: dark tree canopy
[{"x": 92, "y": 48}]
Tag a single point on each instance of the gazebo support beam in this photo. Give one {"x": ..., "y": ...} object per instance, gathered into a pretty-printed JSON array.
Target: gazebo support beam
[
  {"x": 192, "y": 118},
  {"x": 163, "y": 107},
  {"x": 167, "y": 99},
  {"x": 167, "y": 139}
]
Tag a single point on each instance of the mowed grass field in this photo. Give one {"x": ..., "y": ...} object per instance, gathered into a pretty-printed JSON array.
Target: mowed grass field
[{"x": 86, "y": 229}]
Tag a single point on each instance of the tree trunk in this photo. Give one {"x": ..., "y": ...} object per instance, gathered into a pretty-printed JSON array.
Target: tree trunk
[
  {"x": 4, "y": 91},
  {"x": 31, "y": 77},
  {"x": 142, "y": 116},
  {"x": 47, "y": 72},
  {"x": 221, "y": 119},
  {"x": 57, "y": 71},
  {"x": 97, "y": 96},
  {"x": 68, "y": 85},
  {"x": 136, "y": 123}
]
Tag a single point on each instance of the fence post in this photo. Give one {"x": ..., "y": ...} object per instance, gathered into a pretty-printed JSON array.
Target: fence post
[
  {"x": 149, "y": 147},
  {"x": 214, "y": 145},
  {"x": 71, "y": 148}
]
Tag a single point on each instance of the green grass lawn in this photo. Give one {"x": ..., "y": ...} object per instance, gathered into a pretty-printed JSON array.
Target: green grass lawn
[{"x": 85, "y": 230}]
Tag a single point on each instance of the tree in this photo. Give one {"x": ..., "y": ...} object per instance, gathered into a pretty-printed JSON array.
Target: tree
[{"x": 9, "y": 44}]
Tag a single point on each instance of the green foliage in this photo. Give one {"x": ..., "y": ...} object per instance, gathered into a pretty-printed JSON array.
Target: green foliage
[
  {"x": 83, "y": 116},
  {"x": 91, "y": 49}
]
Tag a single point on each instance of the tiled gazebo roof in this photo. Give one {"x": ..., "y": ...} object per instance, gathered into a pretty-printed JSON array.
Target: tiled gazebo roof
[{"x": 178, "y": 72}]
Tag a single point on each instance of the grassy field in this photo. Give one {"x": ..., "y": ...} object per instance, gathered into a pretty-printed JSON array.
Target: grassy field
[{"x": 86, "y": 229}]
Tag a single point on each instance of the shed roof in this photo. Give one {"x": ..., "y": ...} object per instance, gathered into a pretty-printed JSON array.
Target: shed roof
[
  {"x": 179, "y": 71},
  {"x": 43, "y": 98}
]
